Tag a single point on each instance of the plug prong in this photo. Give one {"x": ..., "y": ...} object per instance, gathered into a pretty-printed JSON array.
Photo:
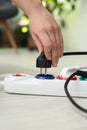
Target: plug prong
[
  {"x": 45, "y": 71},
  {"x": 41, "y": 70}
]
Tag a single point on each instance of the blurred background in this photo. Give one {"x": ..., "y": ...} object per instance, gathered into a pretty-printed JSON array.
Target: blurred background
[
  {"x": 72, "y": 15},
  {"x": 15, "y": 35}
]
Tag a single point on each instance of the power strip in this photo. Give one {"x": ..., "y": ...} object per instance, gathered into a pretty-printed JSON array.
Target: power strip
[{"x": 28, "y": 84}]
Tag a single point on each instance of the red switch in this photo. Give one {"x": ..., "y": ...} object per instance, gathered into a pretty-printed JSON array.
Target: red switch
[
  {"x": 18, "y": 74},
  {"x": 65, "y": 78}
]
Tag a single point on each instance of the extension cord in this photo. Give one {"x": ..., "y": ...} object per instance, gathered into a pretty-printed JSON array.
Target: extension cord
[{"x": 28, "y": 84}]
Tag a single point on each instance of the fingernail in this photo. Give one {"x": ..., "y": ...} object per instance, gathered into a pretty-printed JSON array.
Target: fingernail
[
  {"x": 49, "y": 57},
  {"x": 55, "y": 64}
]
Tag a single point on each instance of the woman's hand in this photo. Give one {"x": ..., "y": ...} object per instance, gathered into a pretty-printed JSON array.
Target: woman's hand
[
  {"x": 47, "y": 34},
  {"x": 45, "y": 30}
]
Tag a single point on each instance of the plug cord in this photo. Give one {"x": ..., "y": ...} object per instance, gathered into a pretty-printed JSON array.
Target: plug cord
[
  {"x": 75, "y": 53},
  {"x": 78, "y": 73}
]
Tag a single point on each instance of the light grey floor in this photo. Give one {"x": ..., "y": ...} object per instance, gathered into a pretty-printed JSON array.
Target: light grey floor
[
  {"x": 25, "y": 62},
  {"x": 26, "y": 112}
]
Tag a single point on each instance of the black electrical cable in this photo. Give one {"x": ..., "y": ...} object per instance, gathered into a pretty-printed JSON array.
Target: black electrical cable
[
  {"x": 78, "y": 73},
  {"x": 74, "y": 53}
]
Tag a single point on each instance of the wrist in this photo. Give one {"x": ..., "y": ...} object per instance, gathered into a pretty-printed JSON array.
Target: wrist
[
  {"x": 29, "y": 6},
  {"x": 32, "y": 7}
]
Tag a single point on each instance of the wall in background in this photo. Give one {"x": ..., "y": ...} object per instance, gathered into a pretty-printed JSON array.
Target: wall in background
[{"x": 75, "y": 35}]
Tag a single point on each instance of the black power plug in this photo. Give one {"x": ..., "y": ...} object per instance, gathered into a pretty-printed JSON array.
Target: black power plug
[{"x": 43, "y": 62}]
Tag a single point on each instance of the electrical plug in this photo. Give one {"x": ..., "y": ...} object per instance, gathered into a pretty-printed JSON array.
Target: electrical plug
[{"x": 43, "y": 62}]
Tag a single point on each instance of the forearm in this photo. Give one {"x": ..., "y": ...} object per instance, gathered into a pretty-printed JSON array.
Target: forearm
[{"x": 28, "y": 6}]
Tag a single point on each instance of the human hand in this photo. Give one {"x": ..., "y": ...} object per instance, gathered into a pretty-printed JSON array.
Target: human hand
[{"x": 46, "y": 34}]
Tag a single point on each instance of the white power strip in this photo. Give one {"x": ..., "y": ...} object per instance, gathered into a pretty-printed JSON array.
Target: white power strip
[{"x": 28, "y": 84}]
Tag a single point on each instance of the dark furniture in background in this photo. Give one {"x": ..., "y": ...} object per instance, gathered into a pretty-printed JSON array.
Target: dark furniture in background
[{"x": 7, "y": 11}]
